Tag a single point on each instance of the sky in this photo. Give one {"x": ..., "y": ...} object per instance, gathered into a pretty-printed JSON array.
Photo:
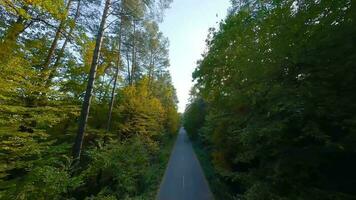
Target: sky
[{"x": 186, "y": 25}]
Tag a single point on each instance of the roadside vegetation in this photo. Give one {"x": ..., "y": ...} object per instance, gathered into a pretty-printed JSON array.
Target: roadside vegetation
[
  {"x": 87, "y": 105},
  {"x": 273, "y": 108}
]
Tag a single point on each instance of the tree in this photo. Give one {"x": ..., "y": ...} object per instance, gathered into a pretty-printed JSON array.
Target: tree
[
  {"x": 23, "y": 15},
  {"x": 39, "y": 108},
  {"x": 56, "y": 37},
  {"x": 62, "y": 49},
  {"x": 273, "y": 80},
  {"x": 118, "y": 64},
  {"x": 88, "y": 93}
]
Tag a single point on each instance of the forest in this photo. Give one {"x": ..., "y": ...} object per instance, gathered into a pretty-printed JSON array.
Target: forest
[
  {"x": 273, "y": 107},
  {"x": 88, "y": 109},
  {"x": 87, "y": 105}
]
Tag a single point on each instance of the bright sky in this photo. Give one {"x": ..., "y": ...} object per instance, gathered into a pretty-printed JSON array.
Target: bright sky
[{"x": 186, "y": 25}]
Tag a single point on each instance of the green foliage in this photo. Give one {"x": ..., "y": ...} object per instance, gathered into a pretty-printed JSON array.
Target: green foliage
[
  {"x": 46, "y": 182},
  {"x": 278, "y": 81},
  {"x": 194, "y": 117},
  {"x": 48, "y": 177},
  {"x": 46, "y": 49},
  {"x": 121, "y": 165}
]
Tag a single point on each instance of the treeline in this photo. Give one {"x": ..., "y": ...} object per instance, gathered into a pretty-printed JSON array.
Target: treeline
[
  {"x": 274, "y": 101},
  {"x": 87, "y": 105}
]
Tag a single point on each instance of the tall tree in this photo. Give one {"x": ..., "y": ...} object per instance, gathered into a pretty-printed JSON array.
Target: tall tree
[
  {"x": 118, "y": 65},
  {"x": 91, "y": 79},
  {"x": 56, "y": 38},
  {"x": 68, "y": 37},
  {"x": 23, "y": 14},
  {"x": 268, "y": 108},
  {"x": 133, "y": 62}
]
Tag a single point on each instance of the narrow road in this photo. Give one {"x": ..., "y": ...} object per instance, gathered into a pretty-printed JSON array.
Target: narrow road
[{"x": 184, "y": 178}]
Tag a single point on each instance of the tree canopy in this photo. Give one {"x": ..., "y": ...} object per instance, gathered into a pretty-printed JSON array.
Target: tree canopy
[
  {"x": 274, "y": 100},
  {"x": 47, "y": 53}
]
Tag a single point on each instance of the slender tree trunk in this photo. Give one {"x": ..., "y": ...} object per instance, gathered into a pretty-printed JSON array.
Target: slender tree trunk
[
  {"x": 150, "y": 70},
  {"x": 61, "y": 52},
  {"x": 88, "y": 93},
  {"x": 107, "y": 85},
  {"x": 56, "y": 38},
  {"x": 128, "y": 67},
  {"x": 115, "y": 80},
  {"x": 133, "y": 62},
  {"x": 47, "y": 73}
]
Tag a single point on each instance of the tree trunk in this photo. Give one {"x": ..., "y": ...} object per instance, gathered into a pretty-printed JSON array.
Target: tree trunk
[
  {"x": 56, "y": 38},
  {"x": 128, "y": 67},
  {"x": 133, "y": 62},
  {"x": 88, "y": 93},
  {"x": 61, "y": 52},
  {"x": 150, "y": 70},
  {"x": 115, "y": 81},
  {"x": 47, "y": 73}
]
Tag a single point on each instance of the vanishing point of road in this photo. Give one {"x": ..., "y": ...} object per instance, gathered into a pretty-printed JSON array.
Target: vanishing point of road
[{"x": 184, "y": 178}]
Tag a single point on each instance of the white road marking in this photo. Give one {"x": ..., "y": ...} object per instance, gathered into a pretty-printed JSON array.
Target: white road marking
[{"x": 183, "y": 182}]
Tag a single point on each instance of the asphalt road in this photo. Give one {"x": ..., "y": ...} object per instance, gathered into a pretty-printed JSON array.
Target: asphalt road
[{"x": 184, "y": 178}]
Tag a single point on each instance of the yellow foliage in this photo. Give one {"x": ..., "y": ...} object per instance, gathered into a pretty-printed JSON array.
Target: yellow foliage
[
  {"x": 87, "y": 53},
  {"x": 141, "y": 113},
  {"x": 55, "y": 8}
]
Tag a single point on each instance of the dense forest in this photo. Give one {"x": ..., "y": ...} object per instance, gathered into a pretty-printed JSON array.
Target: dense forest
[
  {"x": 87, "y": 105},
  {"x": 273, "y": 108}
]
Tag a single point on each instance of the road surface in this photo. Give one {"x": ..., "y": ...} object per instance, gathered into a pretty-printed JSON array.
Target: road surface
[{"x": 184, "y": 178}]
